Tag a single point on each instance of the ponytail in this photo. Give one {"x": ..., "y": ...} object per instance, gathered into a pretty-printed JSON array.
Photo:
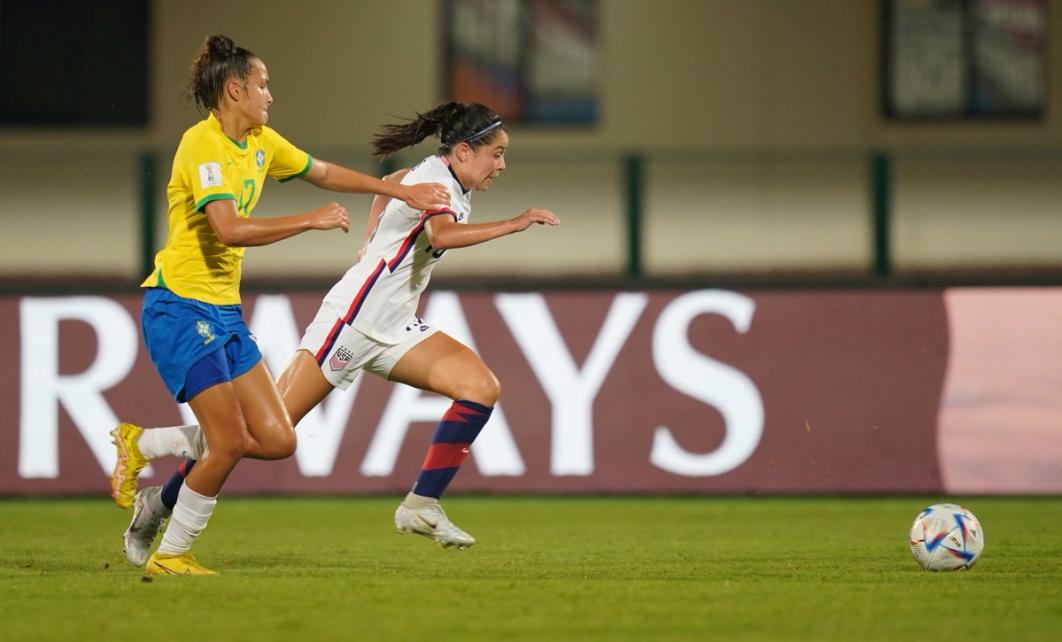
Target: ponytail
[
  {"x": 219, "y": 59},
  {"x": 453, "y": 122}
]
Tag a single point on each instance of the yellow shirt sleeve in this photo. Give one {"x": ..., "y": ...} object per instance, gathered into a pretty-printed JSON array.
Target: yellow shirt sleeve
[
  {"x": 202, "y": 162},
  {"x": 288, "y": 161}
]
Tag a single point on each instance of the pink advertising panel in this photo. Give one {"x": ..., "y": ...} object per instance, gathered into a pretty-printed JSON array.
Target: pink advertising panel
[{"x": 660, "y": 391}]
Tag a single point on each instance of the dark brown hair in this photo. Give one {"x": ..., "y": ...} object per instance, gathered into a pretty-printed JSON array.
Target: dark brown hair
[
  {"x": 219, "y": 59},
  {"x": 453, "y": 122}
]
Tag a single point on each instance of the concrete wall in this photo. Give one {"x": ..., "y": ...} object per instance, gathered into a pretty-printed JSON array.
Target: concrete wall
[{"x": 755, "y": 115}]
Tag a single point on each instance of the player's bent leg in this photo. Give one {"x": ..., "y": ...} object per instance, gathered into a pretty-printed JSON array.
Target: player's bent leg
[
  {"x": 271, "y": 434},
  {"x": 302, "y": 387},
  {"x": 445, "y": 366},
  {"x": 221, "y": 417},
  {"x": 225, "y": 412},
  {"x": 128, "y": 465},
  {"x": 219, "y": 413}
]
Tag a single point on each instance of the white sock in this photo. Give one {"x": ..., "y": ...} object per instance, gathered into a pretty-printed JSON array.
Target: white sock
[
  {"x": 416, "y": 502},
  {"x": 181, "y": 441},
  {"x": 189, "y": 518}
]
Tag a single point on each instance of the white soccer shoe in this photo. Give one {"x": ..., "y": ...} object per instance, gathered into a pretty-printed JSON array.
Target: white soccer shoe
[
  {"x": 432, "y": 522},
  {"x": 148, "y": 515}
]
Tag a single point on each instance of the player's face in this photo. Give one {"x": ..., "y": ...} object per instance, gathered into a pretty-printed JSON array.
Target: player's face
[
  {"x": 488, "y": 161},
  {"x": 257, "y": 98}
]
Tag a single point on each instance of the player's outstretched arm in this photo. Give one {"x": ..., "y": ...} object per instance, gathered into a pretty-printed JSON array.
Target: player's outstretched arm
[
  {"x": 447, "y": 234},
  {"x": 236, "y": 231},
  {"x": 422, "y": 196}
]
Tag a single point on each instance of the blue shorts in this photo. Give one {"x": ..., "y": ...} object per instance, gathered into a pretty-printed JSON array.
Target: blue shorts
[{"x": 180, "y": 333}]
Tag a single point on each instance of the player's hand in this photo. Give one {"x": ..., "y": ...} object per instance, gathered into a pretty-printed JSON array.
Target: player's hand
[
  {"x": 535, "y": 215},
  {"x": 426, "y": 196},
  {"x": 330, "y": 217}
]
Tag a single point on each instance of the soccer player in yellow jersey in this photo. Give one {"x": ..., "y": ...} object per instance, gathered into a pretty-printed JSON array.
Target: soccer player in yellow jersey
[{"x": 191, "y": 319}]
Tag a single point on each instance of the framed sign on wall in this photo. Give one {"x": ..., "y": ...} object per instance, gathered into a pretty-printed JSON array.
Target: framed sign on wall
[
  {"x": 532, "y": 61},
  {"x": 963, "y": 59}
]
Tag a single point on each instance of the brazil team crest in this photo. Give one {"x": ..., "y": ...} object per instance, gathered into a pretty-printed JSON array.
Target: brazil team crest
[
  {"x": 205, "y": 331},
  {"x": 259, "y": 157}
]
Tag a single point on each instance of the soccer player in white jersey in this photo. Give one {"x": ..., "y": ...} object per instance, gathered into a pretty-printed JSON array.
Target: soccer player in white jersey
[{"x": 368, "y": 321}]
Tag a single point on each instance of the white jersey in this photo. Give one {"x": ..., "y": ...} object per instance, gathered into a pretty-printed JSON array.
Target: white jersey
[{"x": 379, "y": 294}]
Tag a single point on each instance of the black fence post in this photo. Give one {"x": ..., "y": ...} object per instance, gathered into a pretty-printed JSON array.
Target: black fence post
[
  {"x": 881, "y": 191},
  {"x": 634, "y": 169}
]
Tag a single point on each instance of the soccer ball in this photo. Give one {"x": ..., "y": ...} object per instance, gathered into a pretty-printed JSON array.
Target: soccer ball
[{"x": 946, "y": 537}]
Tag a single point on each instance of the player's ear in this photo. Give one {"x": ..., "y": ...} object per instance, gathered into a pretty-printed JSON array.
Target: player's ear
[
  {"x": 233, "y": 88},
  {"x": 461, "y": 151}
]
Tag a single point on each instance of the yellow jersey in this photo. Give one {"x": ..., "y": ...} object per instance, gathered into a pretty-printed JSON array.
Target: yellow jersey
[{"x": 210, "y": 166}]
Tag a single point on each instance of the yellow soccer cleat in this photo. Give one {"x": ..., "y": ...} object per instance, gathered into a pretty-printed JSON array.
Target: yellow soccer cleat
[
  {"x": 179, "y": 564},
  {"x": 130, "y": 463}
]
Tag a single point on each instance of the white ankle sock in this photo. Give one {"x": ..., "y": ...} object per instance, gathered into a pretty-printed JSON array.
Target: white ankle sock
[
  {"x": 180, "y": 441},
  {"x": 189, "y": 518},
  {"x": 416, "y": 502}
]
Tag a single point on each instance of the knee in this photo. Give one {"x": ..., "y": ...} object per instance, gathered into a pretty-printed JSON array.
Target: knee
[
  {"x": 484, "y": 388},
  {"x": 270, "y": 438},
  {"x": 230, "y": 447},
  {"x": 282, "y": 445},
  {"x": 287, "y": 445}
]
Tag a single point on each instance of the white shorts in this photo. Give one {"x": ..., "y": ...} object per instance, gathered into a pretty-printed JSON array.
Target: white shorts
[{"x": 343, "y": 351}]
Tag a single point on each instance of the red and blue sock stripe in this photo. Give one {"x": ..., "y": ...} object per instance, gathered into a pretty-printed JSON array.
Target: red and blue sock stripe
[{"x": 449, "y": 446}]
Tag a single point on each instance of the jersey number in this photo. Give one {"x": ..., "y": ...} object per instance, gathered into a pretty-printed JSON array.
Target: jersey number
[{"x": 246, "y": 197}]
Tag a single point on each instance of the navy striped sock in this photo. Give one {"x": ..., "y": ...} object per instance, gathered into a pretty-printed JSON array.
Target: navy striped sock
[
  {"x": 449, "y": 446},
  {"x": 173, "y": 486}
]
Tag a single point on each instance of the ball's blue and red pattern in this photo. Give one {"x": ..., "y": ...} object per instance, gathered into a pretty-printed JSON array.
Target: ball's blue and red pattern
[{"x": 946, "y": 537}]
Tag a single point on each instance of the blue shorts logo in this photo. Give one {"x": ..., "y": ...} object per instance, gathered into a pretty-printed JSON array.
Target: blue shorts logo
[
  {"x": 205, "y": 331},
  {"x": 259, "y": 157}
]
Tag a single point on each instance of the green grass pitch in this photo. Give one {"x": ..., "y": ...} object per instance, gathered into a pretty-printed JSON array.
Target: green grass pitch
[{"x": 545, "y": 569}]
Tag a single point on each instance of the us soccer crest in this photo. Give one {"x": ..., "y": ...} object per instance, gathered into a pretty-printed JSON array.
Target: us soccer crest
[
  {"x": 340, "y": 359},
  {"x": 205, "y": 331}
]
